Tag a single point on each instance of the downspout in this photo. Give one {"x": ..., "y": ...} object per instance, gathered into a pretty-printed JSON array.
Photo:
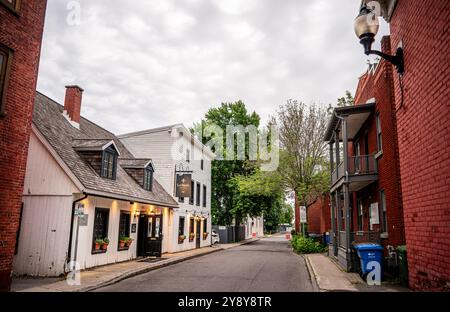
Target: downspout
[{"x": 72, "y": 221}]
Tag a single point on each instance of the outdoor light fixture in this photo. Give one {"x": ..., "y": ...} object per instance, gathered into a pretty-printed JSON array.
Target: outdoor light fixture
[{"x": 366, "y": 28}]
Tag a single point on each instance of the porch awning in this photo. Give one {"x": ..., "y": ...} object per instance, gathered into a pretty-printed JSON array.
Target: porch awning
[{"x": 356, "y": 116}]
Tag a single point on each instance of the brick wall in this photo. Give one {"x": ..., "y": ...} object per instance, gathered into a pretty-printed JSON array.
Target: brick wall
[
  {"x": 377, "y": 84},
  {"x": 319, "y": 215},
  {"x": 423, "y": 122},
  {"x": 23, "y": 34}
]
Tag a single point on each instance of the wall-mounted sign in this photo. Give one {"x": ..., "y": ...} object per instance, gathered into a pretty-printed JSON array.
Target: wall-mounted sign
[
  {"x": 83, "y": 220},
  {"x": 183, "y": 186},
  {"x": 303, "y": 214},
  {"x": 374, "y": 215}
]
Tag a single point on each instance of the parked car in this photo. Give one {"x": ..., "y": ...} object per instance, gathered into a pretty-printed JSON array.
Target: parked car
[{"x": 214, "y": 237}]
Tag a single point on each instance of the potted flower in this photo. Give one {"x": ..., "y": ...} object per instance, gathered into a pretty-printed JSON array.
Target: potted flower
[
  {"x": 128, "y": 242},
  {"x": 205, "y": 235},
  {"x": 98, "y": 244},
  {"x": 105, "y": 243},
  {"x": 181, "y": 238},
  {"x": 123, "y": 241},
  {"x": 191, "y": 237}
]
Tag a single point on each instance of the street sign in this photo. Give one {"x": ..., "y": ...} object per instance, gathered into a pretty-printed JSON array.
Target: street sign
[{"x": 303, "y": 214}]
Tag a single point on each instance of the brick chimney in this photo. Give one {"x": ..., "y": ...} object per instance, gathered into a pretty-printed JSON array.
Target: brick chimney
[{"x": 72, "y": 103}]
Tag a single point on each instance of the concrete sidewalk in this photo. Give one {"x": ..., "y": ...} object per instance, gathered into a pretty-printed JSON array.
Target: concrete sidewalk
[
  {"x": 109, "y": 274},
  {"x": 330, "y": 277}
]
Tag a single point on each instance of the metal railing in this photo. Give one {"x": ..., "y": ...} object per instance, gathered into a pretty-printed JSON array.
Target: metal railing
[
  {"x": 357, "y": 165},
  {"x": 359, "y": 237},
  {"x": 364, "y": 164}
]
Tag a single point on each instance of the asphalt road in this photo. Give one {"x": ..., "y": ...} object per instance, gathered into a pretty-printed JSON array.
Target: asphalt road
[{"x": 268, "y": 265}]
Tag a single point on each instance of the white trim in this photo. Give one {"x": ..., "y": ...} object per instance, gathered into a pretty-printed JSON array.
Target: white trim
[
  {"x": 109, "y": 144},
  {"x": 57, "y": 158},
  {"x": 127, "y": 198}
]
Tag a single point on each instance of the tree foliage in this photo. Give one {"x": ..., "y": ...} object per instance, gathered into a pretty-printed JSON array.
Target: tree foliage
[
  {"x": 223, "y": 171},
  {"x": 303, "y": 165}
]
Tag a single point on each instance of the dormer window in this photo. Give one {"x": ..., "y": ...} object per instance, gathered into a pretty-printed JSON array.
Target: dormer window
[
  {"x": 109, "y": 164},
  {"x": 148, "y": 178},
  {"x": 101, "y": 154},
  {"x": 141, "y": 170}
]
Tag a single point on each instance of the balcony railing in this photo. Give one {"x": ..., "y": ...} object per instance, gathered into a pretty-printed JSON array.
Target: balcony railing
[
  {"x": 359, "y": 237},
  {"x": 364, "y": 164},
  {"x": 357, "y": 165}
]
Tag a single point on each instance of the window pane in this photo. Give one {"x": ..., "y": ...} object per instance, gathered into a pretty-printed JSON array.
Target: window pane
[
  {"x": 124, "y": 225},
  {"x": 181, "y": 226},
  {"x": 157, "y": 225},
  {"x": 198, "y": 195},
  {"x": 204, "y": 195}
]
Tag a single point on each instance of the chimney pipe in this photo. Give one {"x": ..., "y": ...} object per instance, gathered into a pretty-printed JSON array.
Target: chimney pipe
[{"x": 72, "y": 103}]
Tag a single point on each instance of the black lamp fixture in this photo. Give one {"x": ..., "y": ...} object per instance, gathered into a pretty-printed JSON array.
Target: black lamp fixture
[{"x": 366, "y": 28}]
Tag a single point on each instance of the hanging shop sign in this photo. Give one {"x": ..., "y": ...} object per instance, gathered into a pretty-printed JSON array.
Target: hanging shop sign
[{"x": 183, "y": 186}]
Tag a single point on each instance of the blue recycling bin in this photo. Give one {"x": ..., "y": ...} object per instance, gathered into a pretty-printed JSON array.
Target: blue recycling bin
[{"x": 368, "y": 252}]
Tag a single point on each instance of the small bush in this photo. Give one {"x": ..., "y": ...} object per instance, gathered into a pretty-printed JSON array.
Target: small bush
[{"x": 304, "y": 245}]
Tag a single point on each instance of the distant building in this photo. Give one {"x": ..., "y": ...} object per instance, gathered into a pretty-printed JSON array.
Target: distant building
[
  {"x": 21, "y": 26},
  {"x": 318, "y": 215}
]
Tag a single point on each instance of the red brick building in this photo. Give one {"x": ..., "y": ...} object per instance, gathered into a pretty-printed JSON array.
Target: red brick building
[
  {"x": 422, "y": 105},
  {"x": 367, "y": 202},
  {"x": 319, "y": 215},
  {"x": 21, "y": 27}
]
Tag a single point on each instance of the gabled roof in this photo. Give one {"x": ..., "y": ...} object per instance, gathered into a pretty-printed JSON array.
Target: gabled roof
[
  {"x": 66, "y": 139},
  {"x": 93, "y": 144},
  {"x": 135, "y": 163}
]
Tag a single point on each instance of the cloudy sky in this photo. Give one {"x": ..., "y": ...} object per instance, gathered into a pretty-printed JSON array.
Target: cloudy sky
[{"x": 149, "y": 63}]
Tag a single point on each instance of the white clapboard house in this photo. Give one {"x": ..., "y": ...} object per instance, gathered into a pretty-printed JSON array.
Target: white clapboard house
[
  {"x": 84, "y": 189},
  {"x": 175, "y": 152}
]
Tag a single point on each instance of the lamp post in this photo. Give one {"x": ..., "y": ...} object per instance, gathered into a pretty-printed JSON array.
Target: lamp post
[{"x": 366, "y": 28}]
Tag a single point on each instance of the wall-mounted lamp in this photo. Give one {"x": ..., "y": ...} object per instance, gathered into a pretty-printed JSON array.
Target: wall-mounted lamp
[{"x": 366, "y": 28}]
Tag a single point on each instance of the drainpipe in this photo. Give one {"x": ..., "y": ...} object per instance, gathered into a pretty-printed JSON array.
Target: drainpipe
[{"x": 72, "y": 221}]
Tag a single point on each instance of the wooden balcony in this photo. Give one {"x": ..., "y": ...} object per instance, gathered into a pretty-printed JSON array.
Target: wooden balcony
[{"x": 362, "y": 170}]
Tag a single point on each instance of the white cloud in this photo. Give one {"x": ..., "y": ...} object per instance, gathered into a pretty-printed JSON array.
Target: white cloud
[{"x": 154, "y": 62}]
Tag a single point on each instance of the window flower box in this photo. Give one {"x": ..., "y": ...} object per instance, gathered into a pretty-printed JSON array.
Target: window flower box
[
  {"x": 105, "y": 244},
  {"x": 205, "y": 235},
  {"x": 191, "y": 237},
  {"x": 181, "y": 239}
]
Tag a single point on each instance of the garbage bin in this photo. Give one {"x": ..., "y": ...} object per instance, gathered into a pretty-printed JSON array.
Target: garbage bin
[
  {"x": 368, "y": 252},
  {"x": 403, "y": 265}
]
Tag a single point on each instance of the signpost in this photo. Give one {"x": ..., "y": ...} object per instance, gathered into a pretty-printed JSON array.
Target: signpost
[{"x": 303, "y": 219}]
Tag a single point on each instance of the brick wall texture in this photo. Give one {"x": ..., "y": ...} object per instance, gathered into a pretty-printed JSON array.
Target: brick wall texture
[
  {"x": 423, "y": 120},
  {"x": 22, "y": 33},
  {"x": 377, "y": 85},
  {"x": 319, "y": 215}
]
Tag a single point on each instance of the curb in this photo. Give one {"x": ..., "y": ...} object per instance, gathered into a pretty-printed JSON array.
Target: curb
[
  {"x": 156, "y": 267},
  {"x": 312, "y": 274}
]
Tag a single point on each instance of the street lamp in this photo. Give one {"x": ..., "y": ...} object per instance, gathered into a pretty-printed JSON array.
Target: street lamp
[{"x": 366, "y": 28}]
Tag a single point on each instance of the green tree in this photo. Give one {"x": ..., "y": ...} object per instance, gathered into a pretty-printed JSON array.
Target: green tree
[
  {"x": 259, "y": 194},
  {"x": 346, "y": 100},
  {"x": 303, "y": 165},
  {"x": 223, "y": 171}
]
